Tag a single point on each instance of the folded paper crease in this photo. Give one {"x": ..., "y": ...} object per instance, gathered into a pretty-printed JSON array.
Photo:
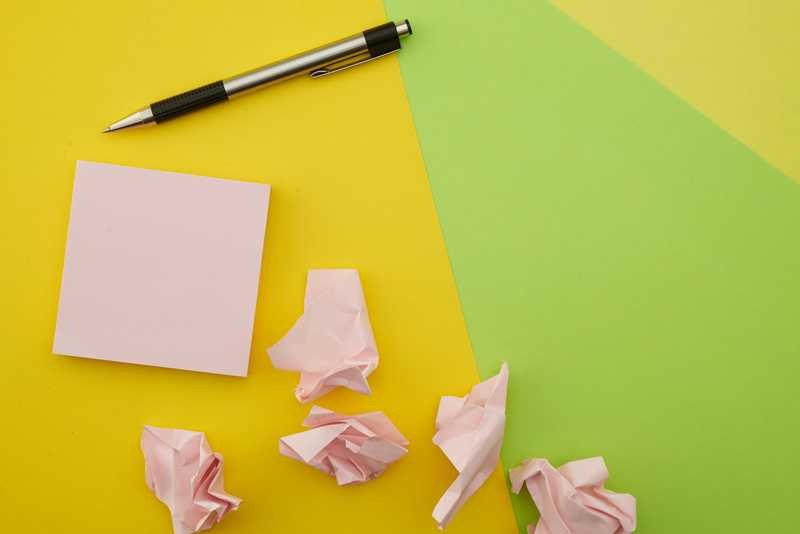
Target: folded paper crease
[
  {"x": 352, "y": 448},
  {"x": 331, "y": 344},
  {"x": 572, "y": 499},
  {"x": 183, "y": 473},
  {"x": 470, "y": 432}
]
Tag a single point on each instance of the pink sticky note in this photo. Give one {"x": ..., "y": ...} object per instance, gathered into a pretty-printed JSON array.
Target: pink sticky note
[
  {"x": 470, "y": 430},
  {"x": 161, "y": 269},
  {"x": 572, "y": 499},
  {"x": 183, "y": 472},
  {"x": 331, "y": 344},
  {"x": 353, "y": 448}
]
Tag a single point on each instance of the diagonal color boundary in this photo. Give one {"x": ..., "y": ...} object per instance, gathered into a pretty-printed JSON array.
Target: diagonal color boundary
[
  {"x": 735, "y": 61},
  {"x": 634, "y": 263}
]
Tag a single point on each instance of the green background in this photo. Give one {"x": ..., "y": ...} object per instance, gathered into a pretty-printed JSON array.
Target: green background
[{"x": 635, "y": 265}]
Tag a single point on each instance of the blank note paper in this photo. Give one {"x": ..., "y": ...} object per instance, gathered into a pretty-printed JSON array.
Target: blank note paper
[{"x": 161, "y": 269}]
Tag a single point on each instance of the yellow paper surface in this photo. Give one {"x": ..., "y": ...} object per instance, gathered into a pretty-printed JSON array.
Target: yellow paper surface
[
  {"x": 349, "y": 190},
  {"x": 734, "y": 60}
]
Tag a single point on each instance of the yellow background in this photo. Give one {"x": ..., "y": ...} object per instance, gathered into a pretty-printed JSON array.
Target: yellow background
[
  {"x": 736, "y": 61},
  {"x": 349, "y": 190}
]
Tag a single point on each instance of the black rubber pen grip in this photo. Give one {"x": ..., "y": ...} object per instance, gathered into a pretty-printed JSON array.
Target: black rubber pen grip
[
  {"x": 177, "y": 105},
  {"x": 382, "y": 39}
]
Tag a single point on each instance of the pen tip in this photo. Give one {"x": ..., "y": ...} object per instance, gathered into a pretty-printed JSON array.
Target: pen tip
[{"x": 106, "y": 129}]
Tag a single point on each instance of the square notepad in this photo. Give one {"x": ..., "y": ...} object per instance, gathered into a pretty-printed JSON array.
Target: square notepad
[{"x": 161, "y": 269}]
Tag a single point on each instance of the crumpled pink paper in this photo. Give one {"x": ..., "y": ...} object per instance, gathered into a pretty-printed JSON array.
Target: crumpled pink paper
[
  {"x": 352, "y": 448},
  {"x": 331, "y": 344},
  {"x": 572, "y": 499},
  {"x": 470, "y": 432},
  {"x": 186, "y": 476}
]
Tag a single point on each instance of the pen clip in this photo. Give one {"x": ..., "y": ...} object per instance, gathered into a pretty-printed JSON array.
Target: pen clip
[{"x": 331, "y": 68}]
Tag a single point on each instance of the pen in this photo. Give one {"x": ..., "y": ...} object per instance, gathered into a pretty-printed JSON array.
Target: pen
[{"x": 334, "y": 57}]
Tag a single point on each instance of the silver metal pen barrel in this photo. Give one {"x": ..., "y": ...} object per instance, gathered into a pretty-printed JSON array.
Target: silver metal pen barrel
[
  {"x": 314, "y": 60},
  {"x": 322, "y": 61}
]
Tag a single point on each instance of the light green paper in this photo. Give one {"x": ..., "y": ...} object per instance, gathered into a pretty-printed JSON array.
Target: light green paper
[{"x": 637, "y": 267}]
